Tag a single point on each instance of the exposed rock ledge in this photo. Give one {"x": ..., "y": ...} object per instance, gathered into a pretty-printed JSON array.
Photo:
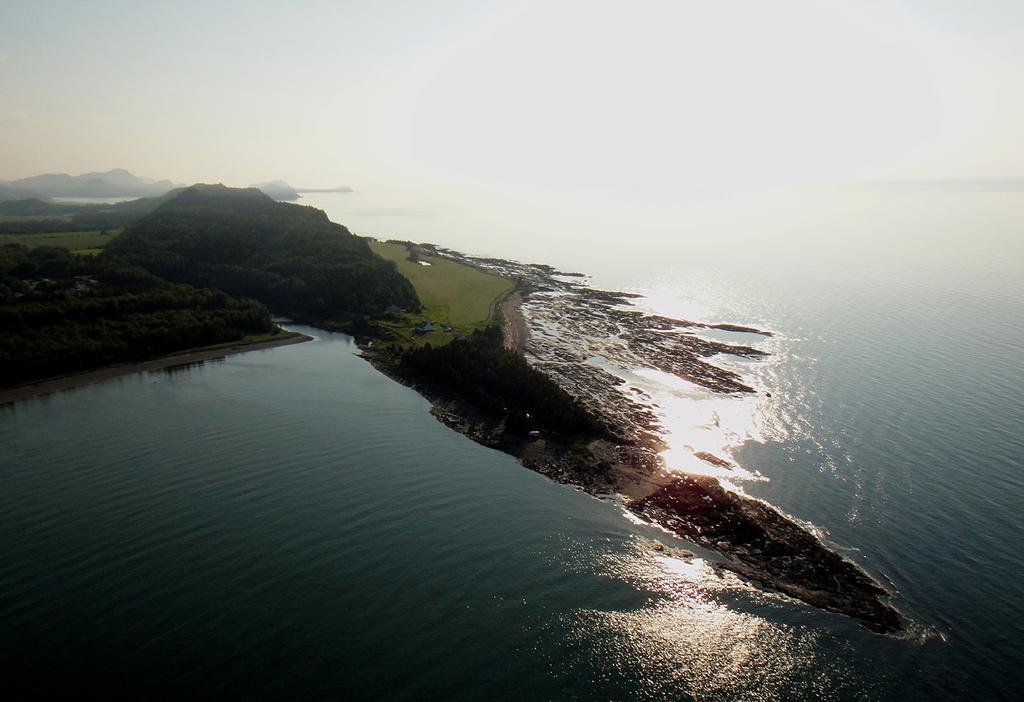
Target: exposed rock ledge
[{"x": 573, "y": 333}]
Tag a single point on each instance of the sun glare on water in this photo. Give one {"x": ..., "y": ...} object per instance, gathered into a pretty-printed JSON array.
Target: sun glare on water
[{"x": 690, "y": 638}]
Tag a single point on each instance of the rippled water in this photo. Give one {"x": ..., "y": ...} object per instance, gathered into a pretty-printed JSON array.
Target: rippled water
[{"x": 291, "y": 524}]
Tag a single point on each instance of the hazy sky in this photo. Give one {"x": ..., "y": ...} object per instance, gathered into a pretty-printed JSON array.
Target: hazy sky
[{"x": 697, "y": 95}]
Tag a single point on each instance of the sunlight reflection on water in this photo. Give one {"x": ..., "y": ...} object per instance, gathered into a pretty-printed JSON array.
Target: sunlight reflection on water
[
  {"x": 689, "y": 640},
  {"x": 703, "y": 429}
]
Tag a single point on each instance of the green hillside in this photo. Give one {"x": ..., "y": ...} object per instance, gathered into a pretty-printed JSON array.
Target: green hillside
[
  {"x": 291, "y": 258},
  {"x": 61, "y": 313}
]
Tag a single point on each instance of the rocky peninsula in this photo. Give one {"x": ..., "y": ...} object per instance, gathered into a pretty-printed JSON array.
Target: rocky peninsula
[{"x": 580, "y": 337}]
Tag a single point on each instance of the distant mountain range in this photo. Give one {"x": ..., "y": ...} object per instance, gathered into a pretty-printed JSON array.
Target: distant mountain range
[
  {"x": 120, "y": 183},
  {"x": 114, "y": 183}
]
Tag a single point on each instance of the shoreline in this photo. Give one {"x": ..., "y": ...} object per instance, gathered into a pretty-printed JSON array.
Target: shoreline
[
  {"x": 575, "y": 322},
  {"x": 516, "y": 331},
  {"x": 78, "y": 380},
  {"x": 753, "y": 539}
]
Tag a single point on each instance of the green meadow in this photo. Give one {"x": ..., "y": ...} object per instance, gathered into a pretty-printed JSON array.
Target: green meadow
[{"x": 453, "y": 294}]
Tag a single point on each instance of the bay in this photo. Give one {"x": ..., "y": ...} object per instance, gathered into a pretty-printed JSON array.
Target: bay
[{"x": 290, "y": 523}]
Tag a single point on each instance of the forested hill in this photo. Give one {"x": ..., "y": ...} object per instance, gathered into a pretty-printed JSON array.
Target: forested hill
[
  {"x": 291, "y": 257},
  {"x": 39, "y": 216},
  {"x": 61, "y": 313}
]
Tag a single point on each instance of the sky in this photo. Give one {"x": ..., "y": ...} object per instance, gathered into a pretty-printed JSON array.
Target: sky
[{"x": 696, "y": 96}]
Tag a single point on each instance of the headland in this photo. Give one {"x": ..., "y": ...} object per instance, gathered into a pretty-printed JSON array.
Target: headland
[{"x": 577, "y": 336}]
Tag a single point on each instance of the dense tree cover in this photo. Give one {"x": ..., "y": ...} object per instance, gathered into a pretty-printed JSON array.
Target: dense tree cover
[
  {"x": 121, "y": 214},
  {"x": 168, "y": 284},
  {"x": 61, "y": 313},
  {"x": 38, "y": 216},
  {"x": 480, "y": 370},
  {"x": 292, "y": 258},
  {"x": 38, "y": 225}
]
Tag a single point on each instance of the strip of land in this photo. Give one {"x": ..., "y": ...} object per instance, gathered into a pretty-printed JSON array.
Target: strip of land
[
  {"x": 78, "y": 380},
  {"x": 517, "y": 333},
  {"x": 573, "y": 324}
]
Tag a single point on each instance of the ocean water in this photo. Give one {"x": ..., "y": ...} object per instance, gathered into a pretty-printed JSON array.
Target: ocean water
[
  {"x": 94, "y": 200},
  {"x": 291, "y": 524}
]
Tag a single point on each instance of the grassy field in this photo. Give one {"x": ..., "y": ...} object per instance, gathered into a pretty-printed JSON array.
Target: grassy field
[
  {"x": 452, "y": 294},
  {"x": 85, "y": 243}
]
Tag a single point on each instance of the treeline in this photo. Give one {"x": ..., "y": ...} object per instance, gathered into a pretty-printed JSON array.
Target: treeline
[
  {"x": 61, "y": 313},
  {"x": 496, "y": 380},
  {"x": 34, "y": 216},
  {"x": 39, "y": 226},
  {"x": 290, "y": 257}
]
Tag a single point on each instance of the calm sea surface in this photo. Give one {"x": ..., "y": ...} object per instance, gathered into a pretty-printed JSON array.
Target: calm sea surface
[{"x": 291, "y": 524}]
